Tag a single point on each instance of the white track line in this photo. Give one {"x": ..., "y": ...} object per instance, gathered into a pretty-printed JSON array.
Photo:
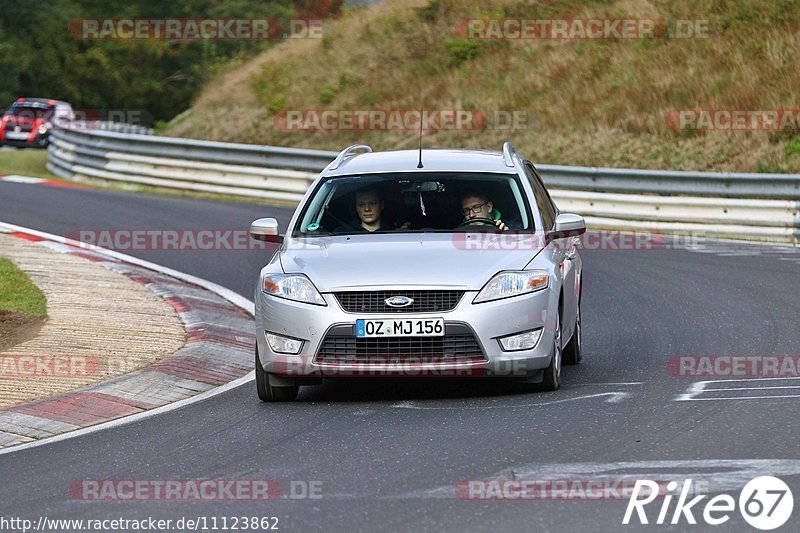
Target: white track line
[
  {"x": 228, "y": 294},
  {"x": 21, "y": 179},
  {"x": 615, "y": 397},
  {"x": 700, "y": 387},
  {"x": 752, "y": 388},
  {"x": 736, "y": 398}
]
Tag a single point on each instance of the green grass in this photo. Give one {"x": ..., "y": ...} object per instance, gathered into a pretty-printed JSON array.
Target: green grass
[
  {"x": 25, "y": 162},
  {"x": 18, "y": 293}
]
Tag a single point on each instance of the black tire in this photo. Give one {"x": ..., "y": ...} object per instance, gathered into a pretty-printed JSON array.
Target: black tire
[
  {"x": 552, "y": 374},
  {"x": 270, "y": 393},
  {"x": 573, "y": 352}
]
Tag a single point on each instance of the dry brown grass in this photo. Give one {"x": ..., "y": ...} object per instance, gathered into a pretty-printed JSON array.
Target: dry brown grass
[{"x": 586, "y": 102}]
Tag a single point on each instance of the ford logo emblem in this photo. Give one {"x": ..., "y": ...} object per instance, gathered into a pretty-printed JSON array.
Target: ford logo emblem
[{"x": 399, "y": 301}]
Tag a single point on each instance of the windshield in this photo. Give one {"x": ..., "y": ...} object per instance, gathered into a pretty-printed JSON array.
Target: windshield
[
  {"x": 416, "y": 202},
  {"x": 23, "y": 112}
]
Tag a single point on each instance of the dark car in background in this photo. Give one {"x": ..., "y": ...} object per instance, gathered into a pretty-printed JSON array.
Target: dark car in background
[{"x": 29, "y": 121}]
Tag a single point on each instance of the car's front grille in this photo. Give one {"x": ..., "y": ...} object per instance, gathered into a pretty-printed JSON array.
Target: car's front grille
[
  {"x": 458, "y": 345},
  {"x": 375, "y": 301}
]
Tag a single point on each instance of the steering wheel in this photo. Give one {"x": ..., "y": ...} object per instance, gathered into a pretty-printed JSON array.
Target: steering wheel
[{"x": 477, "y": 220}]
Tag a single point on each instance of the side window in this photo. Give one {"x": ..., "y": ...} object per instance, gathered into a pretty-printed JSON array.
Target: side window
[
  {"x": 543, "y": 201},
  {"x": 548, "y": 199}
]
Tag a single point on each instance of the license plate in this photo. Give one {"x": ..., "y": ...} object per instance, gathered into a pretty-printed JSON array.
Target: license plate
[
  {"x": 17, "y": 135},
  {"x": 399, "y": 327}
]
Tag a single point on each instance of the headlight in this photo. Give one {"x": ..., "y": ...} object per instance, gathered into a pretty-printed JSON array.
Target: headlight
[
  {"x": 42, "y": 129},
  {"x": 508, "y": 284},
  {"x": 295, "y": 287}
]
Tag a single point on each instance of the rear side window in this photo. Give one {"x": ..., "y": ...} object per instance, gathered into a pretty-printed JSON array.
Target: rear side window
[{"x": 546, "y": 206}]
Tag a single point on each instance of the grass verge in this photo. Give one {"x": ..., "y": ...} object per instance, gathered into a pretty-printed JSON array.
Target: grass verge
[
  {"x": 18, "y": 294},
  {"x": 23, "y": 307},
  {"x": 25, "y": 162}
]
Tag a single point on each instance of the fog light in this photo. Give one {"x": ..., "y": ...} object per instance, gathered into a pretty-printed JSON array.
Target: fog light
[
  {"x": 280, "y": 344},
  {"x": 521, "y": 341}
]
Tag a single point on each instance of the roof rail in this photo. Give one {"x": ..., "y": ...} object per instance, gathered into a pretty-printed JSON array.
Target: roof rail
[
  {"x": 344, "y": 154},
  {"x": 508, "y": 153}
]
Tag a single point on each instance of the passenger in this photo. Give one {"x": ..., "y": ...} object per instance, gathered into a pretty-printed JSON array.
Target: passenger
[{"x": 369, "y": 207}]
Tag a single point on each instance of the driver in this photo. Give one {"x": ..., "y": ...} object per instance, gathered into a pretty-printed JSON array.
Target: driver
[{"x": 477, "y": 206}]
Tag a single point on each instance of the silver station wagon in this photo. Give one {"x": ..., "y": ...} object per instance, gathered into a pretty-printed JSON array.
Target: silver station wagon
[{"x": 420, "y": 263}]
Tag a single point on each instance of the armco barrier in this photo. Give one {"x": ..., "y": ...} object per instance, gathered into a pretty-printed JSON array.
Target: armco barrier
[{"x": 740, "y": 205}]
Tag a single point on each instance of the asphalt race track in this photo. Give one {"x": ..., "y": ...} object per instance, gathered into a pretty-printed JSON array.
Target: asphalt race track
[{"x": 389, "y": 455}]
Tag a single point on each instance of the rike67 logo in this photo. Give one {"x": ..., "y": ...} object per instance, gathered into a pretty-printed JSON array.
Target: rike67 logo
[{"x": 765, "y": 503}]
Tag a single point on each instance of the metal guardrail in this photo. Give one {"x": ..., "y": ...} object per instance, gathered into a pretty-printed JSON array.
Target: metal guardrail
[
  {"x": 202, "y": 166},
  {"x": 196, "y": 150},
  {"x": 668, "y": 182},
  {"x": 742, "y": 205}
]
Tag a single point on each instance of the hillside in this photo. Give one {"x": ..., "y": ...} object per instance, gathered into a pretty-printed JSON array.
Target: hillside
[{"x": 582, "y": 102}]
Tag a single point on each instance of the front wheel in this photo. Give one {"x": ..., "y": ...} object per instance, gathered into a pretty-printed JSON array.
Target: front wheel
[
  {"x": 270, "y": 393},
  {"x": 552, "y": 374}
]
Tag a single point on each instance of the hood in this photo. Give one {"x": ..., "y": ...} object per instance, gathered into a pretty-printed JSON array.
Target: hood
[{"x": 458, "y": 260}]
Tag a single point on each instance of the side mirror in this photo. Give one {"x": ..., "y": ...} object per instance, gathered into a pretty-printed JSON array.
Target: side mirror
[
  {"x": 567, "y": 225},
  {"x": 265, "y": 229}
]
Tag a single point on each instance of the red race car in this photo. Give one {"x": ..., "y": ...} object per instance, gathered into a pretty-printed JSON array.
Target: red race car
[{"x": 28, "y": 121}]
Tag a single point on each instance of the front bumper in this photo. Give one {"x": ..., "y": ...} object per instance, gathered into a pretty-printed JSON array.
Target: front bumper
[{"x": 487, "y": 321}]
